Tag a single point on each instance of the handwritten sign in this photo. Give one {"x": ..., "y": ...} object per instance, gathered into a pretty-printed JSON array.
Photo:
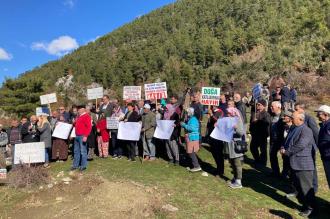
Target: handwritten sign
[
  {"x": 132, "y": 93},
  {"x": 112, "y": 122},
  {"x": 130, "y": 131},
  {"x": 210, "y": 96},
  {"x": 29, "y": 153},
  {"x": 155, "y": 91},
  {"x": 94, "y": 93},
  {"x": 48, "y": 99},
  {"x": 62, "y": 130}
]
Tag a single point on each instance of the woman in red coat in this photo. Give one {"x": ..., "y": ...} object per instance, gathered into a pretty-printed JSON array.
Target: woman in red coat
[{"x": 103, "y": 137}]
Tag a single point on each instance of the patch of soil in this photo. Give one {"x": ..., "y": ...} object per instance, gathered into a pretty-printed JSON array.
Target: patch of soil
[{"x": 91, "y": 198}]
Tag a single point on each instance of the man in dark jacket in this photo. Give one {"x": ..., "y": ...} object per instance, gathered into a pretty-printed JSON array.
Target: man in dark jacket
[
  {"x": 323, "y": 113},
  {"x": 106, "y": 107},
  {"x": 285, "y": 97},
  {"x": 259, "y": 129},
  {"x": 241, "y": 107},
  {"x": 276, "y": 136},
  {"x": 30, "y": 131},
  {"x": 299, "y": 144}
]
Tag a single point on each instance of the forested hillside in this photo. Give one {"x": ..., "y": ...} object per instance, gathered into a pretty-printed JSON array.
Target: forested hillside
[{"x": 192, "y": 41}]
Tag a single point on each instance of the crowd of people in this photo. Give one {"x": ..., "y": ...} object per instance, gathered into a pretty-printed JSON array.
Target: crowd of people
[{"x": 276, "y": 120}]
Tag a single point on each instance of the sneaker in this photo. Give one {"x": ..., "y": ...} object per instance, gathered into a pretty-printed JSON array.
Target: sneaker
[
  {"x": 291, "y": 195},
  {"x": 306, "y": 213},
  {"x": 152, "y": 159},
  {"x": 235, "y": 185},
  {"x": 188, "y": 168},
  {"x": 146, "y": 158},
  {"x": 115, "y": 157},
  {"x": 195, "y": 169}
]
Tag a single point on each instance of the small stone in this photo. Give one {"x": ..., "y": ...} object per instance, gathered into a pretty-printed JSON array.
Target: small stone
[
  {"x": 50, "y": 186},
  {"x": 41, "y": 188},
  {"x": 170, "y": 208},
  {"x": 67, "y": 179},
  {"x": 59, "y": 199},
  {"x": 60, "y": 174},
  {"x": 66, "y": 183},
  {"x": 205, "y": 174}
]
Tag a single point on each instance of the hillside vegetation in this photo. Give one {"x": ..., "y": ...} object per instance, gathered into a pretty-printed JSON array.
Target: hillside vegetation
[{"x": 193, "y": 42}]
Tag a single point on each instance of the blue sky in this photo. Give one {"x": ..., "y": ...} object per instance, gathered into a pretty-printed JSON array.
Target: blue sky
[{"x": 33, "y": 32}]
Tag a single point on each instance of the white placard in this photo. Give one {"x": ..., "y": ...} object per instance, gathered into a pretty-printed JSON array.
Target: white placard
[
  {"x": 73, "y": 133},
  {"x": 210, "y": 96},
  {"x": 164, "y": 129},
  {"x": 94, "y": 93},
  {"x": 62, "y": 130},
  {"x": 48, "y": 98},
  {"x": 155, "y": 91},
  {"x": 29, "y": 153},
  {"x": 130, "y": 131},
  {"x": 42, "y": 111},
  {"x": 256, "y": 91},
  {"x": 132, "y": 93},
  {"x": 112, "y": 122},
  {"x": 224, "y": 129}
]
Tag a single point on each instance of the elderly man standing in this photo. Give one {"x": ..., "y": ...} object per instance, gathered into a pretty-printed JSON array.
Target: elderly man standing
[
  {"x": 323, "y": 114},
  {"x": 299, "y": 144},
  {"x": 148, "y": 129}
]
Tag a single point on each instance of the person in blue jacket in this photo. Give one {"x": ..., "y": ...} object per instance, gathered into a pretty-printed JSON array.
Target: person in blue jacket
[{"x": 192, "y": 139}]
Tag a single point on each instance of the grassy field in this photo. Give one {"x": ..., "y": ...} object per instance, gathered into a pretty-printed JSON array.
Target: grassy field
[{"x": 197, "y": 196}]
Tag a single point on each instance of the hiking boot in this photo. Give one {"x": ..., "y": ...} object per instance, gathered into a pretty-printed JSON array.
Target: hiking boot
[
  {"x": 235, "y": 185},
  {"x": 306, "y": 213},
  {"x": 195, "y": 169}
]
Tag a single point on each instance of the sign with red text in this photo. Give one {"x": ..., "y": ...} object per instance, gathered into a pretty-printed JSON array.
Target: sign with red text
[
  {"x": 210, "y": 96},
  {"x": 155, "y": 91}
]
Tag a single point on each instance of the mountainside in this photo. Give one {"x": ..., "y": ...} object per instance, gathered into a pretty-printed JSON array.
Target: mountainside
[{"x": 208, "y": 42}]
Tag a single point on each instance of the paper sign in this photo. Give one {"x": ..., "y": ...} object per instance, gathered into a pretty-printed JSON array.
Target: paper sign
[
  {"x": 164, "y": 129},
  {"x": 256, "y": 91},
  {"x": 48, "y": 98},
  {"x": 155, "y": 91},
  {"x": 29, "y": 153},
  {"x": 210, "y": 96},
  {"x": 3, "y": 174},
  {"x": 94, "y": 93},
  {"x": 224, "y": 129},
  {"x": 73, "y": 133},
  {"x": 62, "y": 130},
  {"x": 42, "y": 110},
  {"x": 130, "y": 131},
  {"x": 132, "y": 93},
  {"x": 112, "y": 122}
]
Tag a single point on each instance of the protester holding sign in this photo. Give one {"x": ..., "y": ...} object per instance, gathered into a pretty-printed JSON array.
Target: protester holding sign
[
  {"x": 148, "y": 129},
  {"x": 192, "y": 139},
  {"x": 106, "y": 107},
  {"x": 103, "y": 137},
  {"x": 45, "y": 136},
  {"x": 60, "y": 146},
  {"x": 115, "y": 143},
  {"x": 83, "y": 127}
]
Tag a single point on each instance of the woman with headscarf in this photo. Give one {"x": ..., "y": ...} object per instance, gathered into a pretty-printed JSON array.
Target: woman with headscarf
[
  {"x": 192, "y": 139},
  {"x": 45, "y": 136},
  {"x": 235, "y": 158}
]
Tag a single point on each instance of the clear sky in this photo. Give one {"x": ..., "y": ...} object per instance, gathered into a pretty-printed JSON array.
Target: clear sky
[{"x": 33, "y": 32}]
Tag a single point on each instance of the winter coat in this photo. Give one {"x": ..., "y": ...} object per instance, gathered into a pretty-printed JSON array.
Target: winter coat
[
  {"x": 46, "y": 135},
  {"x": 192, "y": 128},
  {"x": 149, "y": 124},
  {"x": 230, "y": 147}
]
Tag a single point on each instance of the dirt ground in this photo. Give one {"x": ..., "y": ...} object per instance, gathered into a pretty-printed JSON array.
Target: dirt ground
[{"x": 90, "y": 197}]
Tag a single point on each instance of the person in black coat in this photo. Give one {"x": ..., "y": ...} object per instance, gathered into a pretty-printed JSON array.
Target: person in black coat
[
  {"x": 259, "y": 129},
  {"x": 131, "y": 116},
  {"x": 299, "y": 144},
  {"x": 106, "y": 108},
  {"x": 241, "y": 107},
  {"x": 30, "y": 131}
]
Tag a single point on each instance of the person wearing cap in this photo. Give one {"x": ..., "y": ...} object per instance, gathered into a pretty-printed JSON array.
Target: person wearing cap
[
  {"x": 299, "y": 144},
  {"x": 259, "y": 129},
  {"x": 288, "y": 126},
  {"x": 192, "y": 139},
  {"x": 45, "y": 135},
  {"x": 83, "y": 127},
  {"x": 323, "y": 114},
  {"x": 276, "y": 136},
  {"x": 148, "y": 129}
]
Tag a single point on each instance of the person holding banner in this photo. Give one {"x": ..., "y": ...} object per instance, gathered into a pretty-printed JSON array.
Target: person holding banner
[
  {"x": 117, "y": 149},
  {"x": 60, "y": 146},
  {"x": 131, "y": 116},
  {"x": 103, "y": 137},
  {"x": 83, "y": 127},
  {"x": 192, "y": 139},
  {"x": 45, "y": 136},
  {"x": 148, "y": 129},
  {"x": 235, "y": 157}
]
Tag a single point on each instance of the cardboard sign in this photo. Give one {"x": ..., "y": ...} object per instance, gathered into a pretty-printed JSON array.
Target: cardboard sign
[
  {"x": 224, "y": 129},
  {"x": 62, "y": 130},
  {"x": 3, "y": 174},
  {"x": 112, "y": 122},
  {"x": 29, "y": 153},
  {"x": 164, "y": 129},
  {"x": 155, "y": 91},
  {"x": 130, "y": 131},
  {"x": 48, "y": 99},
  {"x": 210, "y": 96},
  {"x": 94, "y": 93},
  {"x": 256, "y": 91},
  {"x": 132, "y": 93},
  {"x": 42, "y": 110}
]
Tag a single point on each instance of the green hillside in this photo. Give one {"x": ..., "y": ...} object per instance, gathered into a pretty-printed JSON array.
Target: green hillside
[{"x": 192, "y": 41}]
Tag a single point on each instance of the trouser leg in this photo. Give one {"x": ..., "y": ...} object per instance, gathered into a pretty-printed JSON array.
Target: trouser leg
[
  {"x": 254, "y": 149},
  {"x": 194, "y": 160},
  {"x": 263, "y": 151},
  {"x": 273, "y": 150}
]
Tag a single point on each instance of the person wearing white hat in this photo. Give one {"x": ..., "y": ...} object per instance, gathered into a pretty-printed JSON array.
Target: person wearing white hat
[
  {"x": 323, "y": 114},
  {"x": 148, "y": 129}
]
